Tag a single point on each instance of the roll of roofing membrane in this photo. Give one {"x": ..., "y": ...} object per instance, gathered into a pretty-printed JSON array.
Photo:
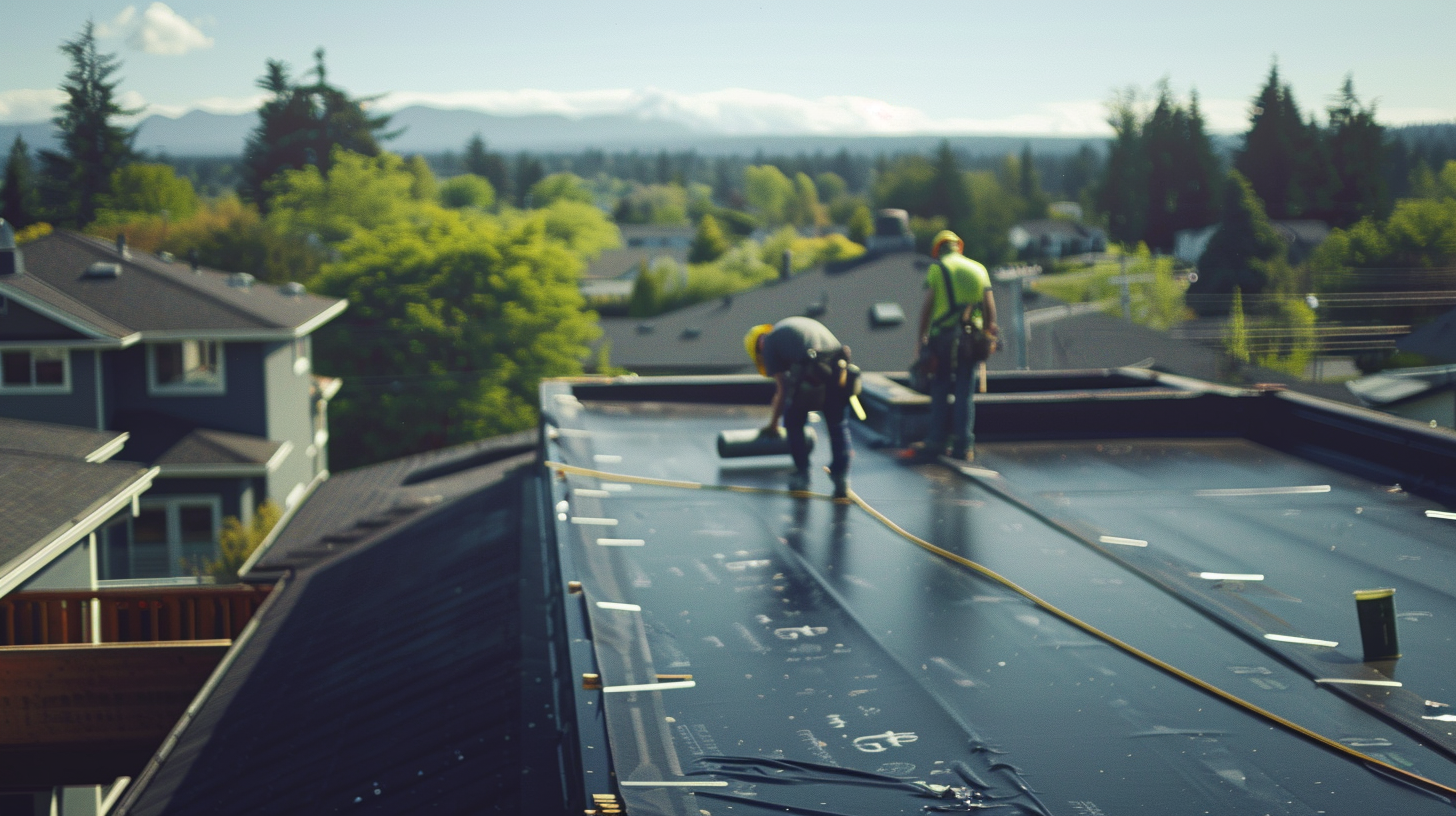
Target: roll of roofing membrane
[{"x": 751, "y": 442}]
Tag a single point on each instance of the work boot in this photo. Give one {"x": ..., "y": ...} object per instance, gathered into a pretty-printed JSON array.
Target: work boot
[
  {"x": 841, "y": 485},
  {"x": 799, "y": 481}
]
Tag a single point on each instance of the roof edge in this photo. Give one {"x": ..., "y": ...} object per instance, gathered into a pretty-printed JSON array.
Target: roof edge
[{"x": 38, "y": 555}]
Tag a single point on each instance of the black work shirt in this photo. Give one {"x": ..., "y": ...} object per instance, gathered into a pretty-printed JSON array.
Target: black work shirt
[{"x": 791, "y": 340}]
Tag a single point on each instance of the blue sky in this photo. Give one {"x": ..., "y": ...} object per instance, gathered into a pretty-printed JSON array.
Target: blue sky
[{"x": 746, "y": 67}]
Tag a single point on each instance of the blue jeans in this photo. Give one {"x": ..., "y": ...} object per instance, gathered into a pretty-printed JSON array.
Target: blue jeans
[
  {"x": 796, "y": 414},
  {"x": 953, "y": 426}
]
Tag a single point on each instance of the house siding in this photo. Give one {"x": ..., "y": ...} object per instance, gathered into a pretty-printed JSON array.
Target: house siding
[
  {"x": 19, "y": 323},
  {"x": 289, "y": 419},
  {"x": 239, "y": 409},
  {"x": 75, "y": 408}
]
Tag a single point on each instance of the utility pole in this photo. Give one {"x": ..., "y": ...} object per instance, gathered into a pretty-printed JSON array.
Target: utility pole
[{"x": 1017, "y": 277}]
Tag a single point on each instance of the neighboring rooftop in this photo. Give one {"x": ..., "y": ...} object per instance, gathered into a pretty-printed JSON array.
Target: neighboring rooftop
[
  {"x": 17, "y": 435},
  {"x": 107, "y": 295},
  {"x": 394, "y": 663}
]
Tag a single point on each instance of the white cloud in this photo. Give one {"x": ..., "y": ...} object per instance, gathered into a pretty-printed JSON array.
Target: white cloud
[
  {"x": 25, "y": 105},
  {"x": 118, "y": 25},
  {"x": 158, "y": 30}
]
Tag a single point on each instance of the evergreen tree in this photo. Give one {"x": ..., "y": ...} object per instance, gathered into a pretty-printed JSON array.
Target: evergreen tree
[
  {"x": 529, "y": 170},
  {"x": 1356, "y": 145},
  {"x": 1240, "y": 252},
  {"x": 1122, "y": 192},
  {"x": 92, "y": 146},
  {"x": 1028, "y": 184},
  {"x": 18, "y": 203},
  {"x": 302, "y": 125},
  {"x": 1180, "y": 168},
  {"x": 709, "y": 244},
  {"x": 1282, "y": 156},
  {"x": 948, "y": 195},
  {"x": 489, "y": 166}
]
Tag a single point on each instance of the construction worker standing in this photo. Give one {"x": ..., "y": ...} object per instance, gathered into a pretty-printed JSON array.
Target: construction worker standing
[
  {"x": 957, "y": 332},
  {"x": 811, "y": 372}
]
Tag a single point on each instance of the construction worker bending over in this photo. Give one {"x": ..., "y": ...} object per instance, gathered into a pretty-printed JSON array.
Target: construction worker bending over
[
  {"x": 958, "y": 331},
  {"x": 811, "y": 372}
]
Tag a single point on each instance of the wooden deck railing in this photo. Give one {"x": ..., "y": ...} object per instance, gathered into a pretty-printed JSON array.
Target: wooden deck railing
[{"x": 127, "y": 615}]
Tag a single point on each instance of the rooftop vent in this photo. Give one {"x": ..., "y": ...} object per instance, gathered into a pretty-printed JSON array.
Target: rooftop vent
[
  {"x": 166, "y": 257},
  {"x": 644, "y": 328},
  {"x": 241, "y": 280},
  {"x": 293, "y": 289},
  {"x": 886, "y": 314},
  {"x": 692, "y": 333},
  {"x": 121, "y": 246},
  {"x": 818, "y": 307},
  {"x": 103, "y": 269}
]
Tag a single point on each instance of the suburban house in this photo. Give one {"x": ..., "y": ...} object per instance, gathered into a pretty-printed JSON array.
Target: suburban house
[
  {"x": 1300, "y": 237},
  {"x": 1055, "y": 238},
  {"x": 207, "y": 373}
]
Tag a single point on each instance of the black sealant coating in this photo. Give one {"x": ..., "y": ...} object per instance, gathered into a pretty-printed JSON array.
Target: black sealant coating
[{"x": 830, "y": 654}]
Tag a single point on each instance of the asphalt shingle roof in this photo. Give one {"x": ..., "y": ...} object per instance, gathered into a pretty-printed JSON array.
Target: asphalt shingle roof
[
  {"x": 42, "y": 496},
  {"x": 152, "y": 295},
  {"x": 18, "y": 435},
  {"x": 383, "y": 680}
]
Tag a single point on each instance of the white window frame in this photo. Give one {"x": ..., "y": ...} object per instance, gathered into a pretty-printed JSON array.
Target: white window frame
[
  {"x": 33, "y": 388},
  {"x": 158, "y": 389},
  {"x": 172, "y": 506}
]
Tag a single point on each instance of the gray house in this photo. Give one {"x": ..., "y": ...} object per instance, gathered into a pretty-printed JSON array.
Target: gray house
[{"x": 208, "y": 373}]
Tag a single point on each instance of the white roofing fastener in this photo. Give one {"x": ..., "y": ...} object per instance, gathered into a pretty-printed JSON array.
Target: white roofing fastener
[
  {"x": 677, "y": 684},
  {"x": 1306, "y": 641}
]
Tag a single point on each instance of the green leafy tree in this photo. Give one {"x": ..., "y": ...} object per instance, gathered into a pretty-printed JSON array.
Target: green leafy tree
[
  {"x": 362, "y": 193},
  {"x": 560, "y": 187},
  {"x": 804, "y": 209},
  {"x": 1283, "y": 156},
  {"x": 92, "y": 145},
  {"x": 665, "y": 204},
  {"x": 647, "y": 292},
  {"x": 490, "y": 166},
  {"x": 469, "y": 190},
  {"x": 18, "y": 202},
  {"x": 831, "y": 186},
  {"x": 424, "y": 187},
  {"x": 453, "y": 321},
  {"x": 709, "y": 243},
  {"x": 147, "y": 189},
  {"x": 1239, "y": 253},
  {"x": 769, "y": 192},
  {"x": 1357, "y": 154},
  {"x": 237, "y": 542},
  {"x": 1236, "y": 331},
  {"x": 302, "y": 126},
  {"x": 529, "y": 170},
  {"x": 861, "y": 224}
]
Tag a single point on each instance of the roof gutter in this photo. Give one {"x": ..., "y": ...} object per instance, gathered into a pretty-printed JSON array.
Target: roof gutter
[
  {"x": 110, "y": 449},
  {"x": 42, "y": 553}
]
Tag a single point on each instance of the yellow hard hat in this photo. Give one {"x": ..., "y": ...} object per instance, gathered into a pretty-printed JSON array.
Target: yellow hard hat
[
  {"x": 750, "y": 344},
  {"x": 942, "y": 237}
]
